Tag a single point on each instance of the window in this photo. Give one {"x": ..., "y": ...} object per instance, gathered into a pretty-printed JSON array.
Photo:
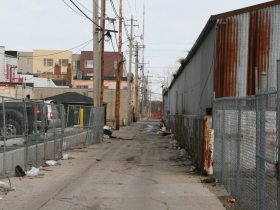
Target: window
[
  {"x": 63, "y": 62},
  {"x": 125, "y": 88},
  {"x": 106, "y": 87},
  {"x": 115, "y": 64},
  {"x": 82, "y": 86},
  {"x": 89, "y": 64},
  {"x": 77, "y": 65},
  {"x": 48, "y": 62},
  {"x": 28, "y": 61}
]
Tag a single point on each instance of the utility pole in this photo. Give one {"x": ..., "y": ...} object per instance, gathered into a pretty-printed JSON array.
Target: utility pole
[
  {"x": 136, "y": 82},
  {"x": 119, "y": 73},
  {"x": 96, "y": 80},
  {"x": 150, "y": 102},
  {"x": 102, "y": 23},
  {"x": 129, "y": 113}
]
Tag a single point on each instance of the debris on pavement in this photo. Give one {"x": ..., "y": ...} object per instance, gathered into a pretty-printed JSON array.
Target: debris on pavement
[
  {"x": 183, "y": 152},
  {"x": 51, "y": 162},
  {"x": 65, "y": 157},
  {"x": 107, "y": 127},
  {"x": 0, "y": 198},
  {"x": 98, "y": 160},
  {"x": 232, "y": 200},
  {"x": 174, "y": 143},
  {"x": 33, "y": 172},
  {"x": 19, "y": 171},
  {"x": 192, "y": 168},
  {"x": 165, "y": 134},
  {"x": 107, "y": 132}
]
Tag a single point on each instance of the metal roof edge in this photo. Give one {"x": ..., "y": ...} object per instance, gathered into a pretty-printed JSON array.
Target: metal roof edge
[
  {"x": 210, "y": 23},
  {"x": 245, "y": 9}
]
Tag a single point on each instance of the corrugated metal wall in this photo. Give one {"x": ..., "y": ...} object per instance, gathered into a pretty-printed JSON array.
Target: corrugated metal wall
[
  {"x": 192, "y": 92},
  {"x": 243, "y": 42}
]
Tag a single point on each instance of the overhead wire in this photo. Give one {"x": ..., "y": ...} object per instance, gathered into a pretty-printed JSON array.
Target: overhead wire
[
  {"x": 58, "y": 52},
  {"x": 86, "y": 15},
  {"x": 73, "y": 9}
]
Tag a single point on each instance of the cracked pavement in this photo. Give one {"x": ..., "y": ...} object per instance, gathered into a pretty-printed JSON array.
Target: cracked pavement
[{"x": 133, "y": 174}]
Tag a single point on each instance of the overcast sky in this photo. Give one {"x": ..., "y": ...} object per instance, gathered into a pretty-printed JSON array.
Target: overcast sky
[{"x": 171, "y": 27}]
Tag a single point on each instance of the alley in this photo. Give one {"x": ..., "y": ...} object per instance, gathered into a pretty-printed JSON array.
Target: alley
[{"x": 135, "y": 172}]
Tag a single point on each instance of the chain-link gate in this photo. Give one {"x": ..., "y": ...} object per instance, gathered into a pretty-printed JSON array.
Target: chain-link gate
[
  {"x": 245, "y": 149},
  {"x": 31, "y": 132},
  {"x": 87, "y": 121}
]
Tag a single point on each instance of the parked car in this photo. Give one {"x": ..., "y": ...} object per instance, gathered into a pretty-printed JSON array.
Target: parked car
[
  {"x": 53, "y": 117},
  {"x": 41, "y": 116},
  {"x": 14, "y": 117}
]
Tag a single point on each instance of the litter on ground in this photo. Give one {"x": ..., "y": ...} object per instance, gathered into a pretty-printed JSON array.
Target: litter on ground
[
  {"x": 33, "y": 172},
  {"x": 51, "y": 162}
]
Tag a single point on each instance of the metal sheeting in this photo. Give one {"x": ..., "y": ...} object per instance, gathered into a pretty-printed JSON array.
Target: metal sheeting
[{"x": 243, "y": 42}]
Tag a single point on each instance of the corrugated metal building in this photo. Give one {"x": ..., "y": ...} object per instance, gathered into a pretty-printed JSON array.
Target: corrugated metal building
[{"x": 224, "y": 56}]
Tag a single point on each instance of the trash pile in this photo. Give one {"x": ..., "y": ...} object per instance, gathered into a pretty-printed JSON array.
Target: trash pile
[{"x": 107, "y": 133}]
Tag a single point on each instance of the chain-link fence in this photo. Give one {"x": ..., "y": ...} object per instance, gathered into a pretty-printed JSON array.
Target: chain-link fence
[
  {"x": 31, "y": 132},
  {"x": 189, "y": 132},
  {"x": 245, "y": 149},
  {"x": 87, "y": 121}
]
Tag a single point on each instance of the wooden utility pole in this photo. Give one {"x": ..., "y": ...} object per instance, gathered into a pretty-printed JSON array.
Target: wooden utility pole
[
  {"x": 119, "y": 73},
  {"x": 96, "y": 73},
  {"x": 136, "y": 82},
  {"x": 103, "y": 8}
]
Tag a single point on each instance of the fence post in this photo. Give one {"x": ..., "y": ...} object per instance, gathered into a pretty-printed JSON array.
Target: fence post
[
  {"x": 260, "y": 146},
  {"x": 238, "y": 148},
  {"x": 62, "y": 114},
  {"x": 26, "y": 135},
  {"x": 256, "y": 79},
  {"x": 278, "y": 130},
  {"x": 5, "y": 137},
  {"x": 35, "y": 130},
  {"x": 223, "y": 142}
]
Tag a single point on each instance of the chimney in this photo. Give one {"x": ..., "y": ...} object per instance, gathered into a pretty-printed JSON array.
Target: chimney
[
  {"x": 68, "y": 78},
  {"x": 57, "y": 69}
]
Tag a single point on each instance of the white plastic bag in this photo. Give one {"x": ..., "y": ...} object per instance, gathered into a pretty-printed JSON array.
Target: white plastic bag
[
  {"x": 65, "y": 157},
  {"x": 5, "y": 185},
  {"x": 107, "y": 127},
  {"x": 51, "y": 162},
  {"x": 33, "y": 172},
  {"x": 183, "y": 152}
]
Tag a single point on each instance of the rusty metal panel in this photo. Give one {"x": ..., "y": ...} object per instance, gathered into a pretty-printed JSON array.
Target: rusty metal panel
[
  {"x": 208, "y": 146},
  {"x": 243, "y": 42}
]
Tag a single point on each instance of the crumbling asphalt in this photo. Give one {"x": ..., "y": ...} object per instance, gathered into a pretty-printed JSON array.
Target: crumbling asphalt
[{"x": 136, "y": 170}]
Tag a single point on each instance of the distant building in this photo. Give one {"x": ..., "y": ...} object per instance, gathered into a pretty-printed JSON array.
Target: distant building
[
  {"x": 25, "y": 62},
  {"x": 45, "y": 60}
]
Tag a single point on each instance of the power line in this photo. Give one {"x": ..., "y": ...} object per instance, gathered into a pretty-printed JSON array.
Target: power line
[
  {"x": 129, "y": 7},
  {"x": 73, "y": 9},
  {"x": 86, "y": 15},
  {"x": 57, "y": 52},
  {"x": 85, "y": 7}
]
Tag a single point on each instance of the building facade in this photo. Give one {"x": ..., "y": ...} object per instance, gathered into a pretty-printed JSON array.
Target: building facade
[{"x": 45, "y": 60}]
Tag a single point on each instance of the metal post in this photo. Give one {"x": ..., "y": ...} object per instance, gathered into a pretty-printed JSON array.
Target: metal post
[
  {"x": 261, "y": 192},
  {"x": 5, "y": 137},
  {"x": 278, "y": 130},
  {"x": 96, "y": 60},
  {"x": 35, "y": 116},
  {"x": 223, "y": 143},
  {"x": 237, "y": 183},
  {"x": 54, "y": 141},
  {"x": 26, "y": 135},
  {"x": 62, "y": 114},
  {"x": 256, "y": 79},
  {"x": 119, "y": 73}
]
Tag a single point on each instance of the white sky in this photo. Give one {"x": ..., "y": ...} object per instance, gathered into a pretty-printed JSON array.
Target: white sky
[{"x": 171, "y": 27}]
